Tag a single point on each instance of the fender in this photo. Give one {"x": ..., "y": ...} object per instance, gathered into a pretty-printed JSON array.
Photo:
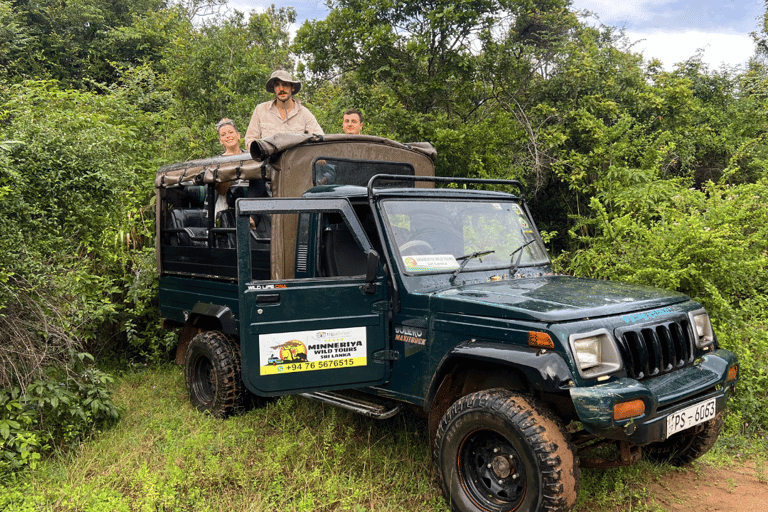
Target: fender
[
  {"x": 204, "y": 317},
  {"x": 203, "y": 314},
  {"x": 543, "y": 370}
]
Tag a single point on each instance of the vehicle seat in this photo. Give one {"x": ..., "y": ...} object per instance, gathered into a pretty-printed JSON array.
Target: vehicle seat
[
  {"x": 342, "y": 255},
  {"x": 192, "y": 227}
]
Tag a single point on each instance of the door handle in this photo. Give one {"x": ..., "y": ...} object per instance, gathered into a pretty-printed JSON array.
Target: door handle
[{"x": 267, "y": 298}]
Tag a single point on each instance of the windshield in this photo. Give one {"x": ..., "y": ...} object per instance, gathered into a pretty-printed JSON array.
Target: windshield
[{"x": 444, "y": 236}]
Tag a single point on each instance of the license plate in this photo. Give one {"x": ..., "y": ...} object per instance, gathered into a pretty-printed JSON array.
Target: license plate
[{"x": 691, "y": 416}]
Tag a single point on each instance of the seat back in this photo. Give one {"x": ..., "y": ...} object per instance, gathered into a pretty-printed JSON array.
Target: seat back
[{"x": 342, "y": 254}]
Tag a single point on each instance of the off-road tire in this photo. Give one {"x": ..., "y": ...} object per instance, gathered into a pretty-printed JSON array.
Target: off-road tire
[
  {"x": 212, "y": 373},
  {"x": 498, "y": 451},
  {"x": 686, "y": 446}
]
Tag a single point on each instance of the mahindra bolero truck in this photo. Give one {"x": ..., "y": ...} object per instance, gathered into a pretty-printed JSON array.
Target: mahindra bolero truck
[{"x": 340, "y": 268}]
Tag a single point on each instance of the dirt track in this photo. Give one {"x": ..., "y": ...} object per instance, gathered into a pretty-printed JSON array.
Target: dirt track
[{"x": 705, "y": 488}]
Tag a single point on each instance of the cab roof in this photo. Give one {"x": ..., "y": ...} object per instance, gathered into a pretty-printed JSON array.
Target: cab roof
[{"x": 289, "y": 150}]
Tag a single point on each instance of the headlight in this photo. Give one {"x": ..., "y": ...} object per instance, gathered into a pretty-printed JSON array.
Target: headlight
[
  {"x": 702, "y": 328},
  {"x": 588, "y": 353},
  {"x": 595, "y": 352}
]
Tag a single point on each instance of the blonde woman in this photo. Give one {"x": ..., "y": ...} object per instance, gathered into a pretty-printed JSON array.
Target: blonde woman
[{"x": 229, "y": 137}]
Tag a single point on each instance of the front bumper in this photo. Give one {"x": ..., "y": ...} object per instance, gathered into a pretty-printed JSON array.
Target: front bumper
[{"x": 661, "y": 395}]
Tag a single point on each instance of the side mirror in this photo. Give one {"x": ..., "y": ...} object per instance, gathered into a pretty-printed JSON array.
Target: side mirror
[{"x": 371, "y": 268}]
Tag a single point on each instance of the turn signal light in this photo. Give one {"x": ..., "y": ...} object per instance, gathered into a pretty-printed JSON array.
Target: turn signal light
[
  {"x": 629, "y": 409},
  {"x": 733, "y": 372},
  {"x": 540, "y": 340}
]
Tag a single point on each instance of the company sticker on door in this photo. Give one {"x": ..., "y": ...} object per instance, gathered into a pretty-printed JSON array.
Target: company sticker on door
[{"x": 306, "y": 351}]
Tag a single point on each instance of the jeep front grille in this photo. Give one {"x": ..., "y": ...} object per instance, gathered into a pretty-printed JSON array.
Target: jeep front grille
[{"x": 651, "y": 350}]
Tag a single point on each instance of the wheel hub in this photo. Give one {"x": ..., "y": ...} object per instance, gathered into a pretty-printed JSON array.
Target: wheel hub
[{"x": 503, "y": 465}]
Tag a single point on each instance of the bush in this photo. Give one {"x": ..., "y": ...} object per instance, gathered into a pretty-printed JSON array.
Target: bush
[
  {"x": 54, "y": 413},
  {"x": 76, "y": 179},
  {"x": 707, "y": 244}
]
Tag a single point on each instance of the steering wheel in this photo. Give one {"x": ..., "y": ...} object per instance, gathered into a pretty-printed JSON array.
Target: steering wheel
[{"x": 412, "y": 244}]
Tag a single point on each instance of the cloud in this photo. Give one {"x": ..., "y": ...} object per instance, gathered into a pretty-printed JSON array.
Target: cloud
[
  {"x": 674, "y": 46},
  {"x": 673, "y": 30},
  {"x": 707, "y": 15},
  {"x": 619, "y": 13}
]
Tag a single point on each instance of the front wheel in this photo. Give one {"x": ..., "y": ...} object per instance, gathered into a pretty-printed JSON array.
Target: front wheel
[
  {"x": 497, "y": 451},
  {"x": 688, "y": 445},
  {"x": 212, "y": 374}
]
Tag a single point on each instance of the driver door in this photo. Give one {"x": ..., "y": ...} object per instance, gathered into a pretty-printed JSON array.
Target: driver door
[{"x": 325, "y": 329}]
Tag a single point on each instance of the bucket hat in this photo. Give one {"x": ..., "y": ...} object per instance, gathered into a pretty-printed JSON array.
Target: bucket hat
[{"x": 283, "y": 76}]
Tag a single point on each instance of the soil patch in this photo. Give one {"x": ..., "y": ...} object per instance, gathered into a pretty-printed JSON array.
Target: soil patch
[{"x": 704, "y": 488}]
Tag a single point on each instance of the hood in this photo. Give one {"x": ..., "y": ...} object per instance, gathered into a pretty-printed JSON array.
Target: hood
[{"x": 552, "y": 299}]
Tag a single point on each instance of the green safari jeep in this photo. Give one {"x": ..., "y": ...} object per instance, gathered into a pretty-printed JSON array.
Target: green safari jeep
[{"x": 343, "y": 270}]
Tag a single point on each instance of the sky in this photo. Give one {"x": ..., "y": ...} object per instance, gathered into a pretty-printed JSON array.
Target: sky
[
  {"x": 673, "y": 30},
  {"x": 669, "y": 30}
]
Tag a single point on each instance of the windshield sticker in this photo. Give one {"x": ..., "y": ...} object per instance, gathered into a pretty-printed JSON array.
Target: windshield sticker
[
  {"x": 646, "y": 315},
  {"x": 524, "y": 225},
  {"x": 305, "y": 351},
  {"x": 426, "y": 263}
]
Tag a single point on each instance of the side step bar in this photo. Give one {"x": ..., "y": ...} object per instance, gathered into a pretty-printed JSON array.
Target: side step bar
[{"x": 354, "y": 404}]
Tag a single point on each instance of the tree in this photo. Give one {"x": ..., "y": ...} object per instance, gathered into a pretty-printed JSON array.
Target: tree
[
  {"x": 14, "y": 36},
  {"x": 83, "y": 41},
  {"x": 425, "y": 52},
  {"x": 75, "y": 168},
  {"x": 219, "y": 70}
]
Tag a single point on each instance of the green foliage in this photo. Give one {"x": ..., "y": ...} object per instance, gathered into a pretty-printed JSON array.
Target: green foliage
[
  {"x": 76, "y": 42},
  {"x": 291, "y": 454},
  {"x": 710, "y": 245},
  {"x": 53, "y": 413},
  {"x": 80, "y": 152},
  {"x": 145, "y": 335},
  {"x": 78, "y": 167},
  {"x": 15, "y": 37},
  {"x": 220, "y": 70},
  {"x": 750, "y": 342},
  {"x": 761, "y": 37}
]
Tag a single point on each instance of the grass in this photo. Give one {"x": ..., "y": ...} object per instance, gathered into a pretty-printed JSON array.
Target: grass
[{"x": 290, "y": 455}]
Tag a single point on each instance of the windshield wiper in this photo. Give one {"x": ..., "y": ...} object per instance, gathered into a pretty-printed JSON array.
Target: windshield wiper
[
  {"x": 516, "y": 264},
  {"x": 467, "y": 258}
]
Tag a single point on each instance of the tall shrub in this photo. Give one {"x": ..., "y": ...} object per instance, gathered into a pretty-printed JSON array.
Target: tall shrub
[
  {"x": 76, "y": 168},
  {"x": 709, "y": 244}
]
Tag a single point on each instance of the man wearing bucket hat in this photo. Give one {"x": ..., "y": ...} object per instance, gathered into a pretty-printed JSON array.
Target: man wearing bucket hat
[{"x": 284, "y": 114}]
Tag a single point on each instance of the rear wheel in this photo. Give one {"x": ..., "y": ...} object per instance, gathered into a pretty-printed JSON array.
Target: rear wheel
[
  {"x": 497, "y": 451},
  {"x": 212, "y": 374},
  {"x": 686, "y": 446}
]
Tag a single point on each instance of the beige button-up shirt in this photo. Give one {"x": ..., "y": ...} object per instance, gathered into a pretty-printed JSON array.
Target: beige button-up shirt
[{"x": 266, "y": 121}]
